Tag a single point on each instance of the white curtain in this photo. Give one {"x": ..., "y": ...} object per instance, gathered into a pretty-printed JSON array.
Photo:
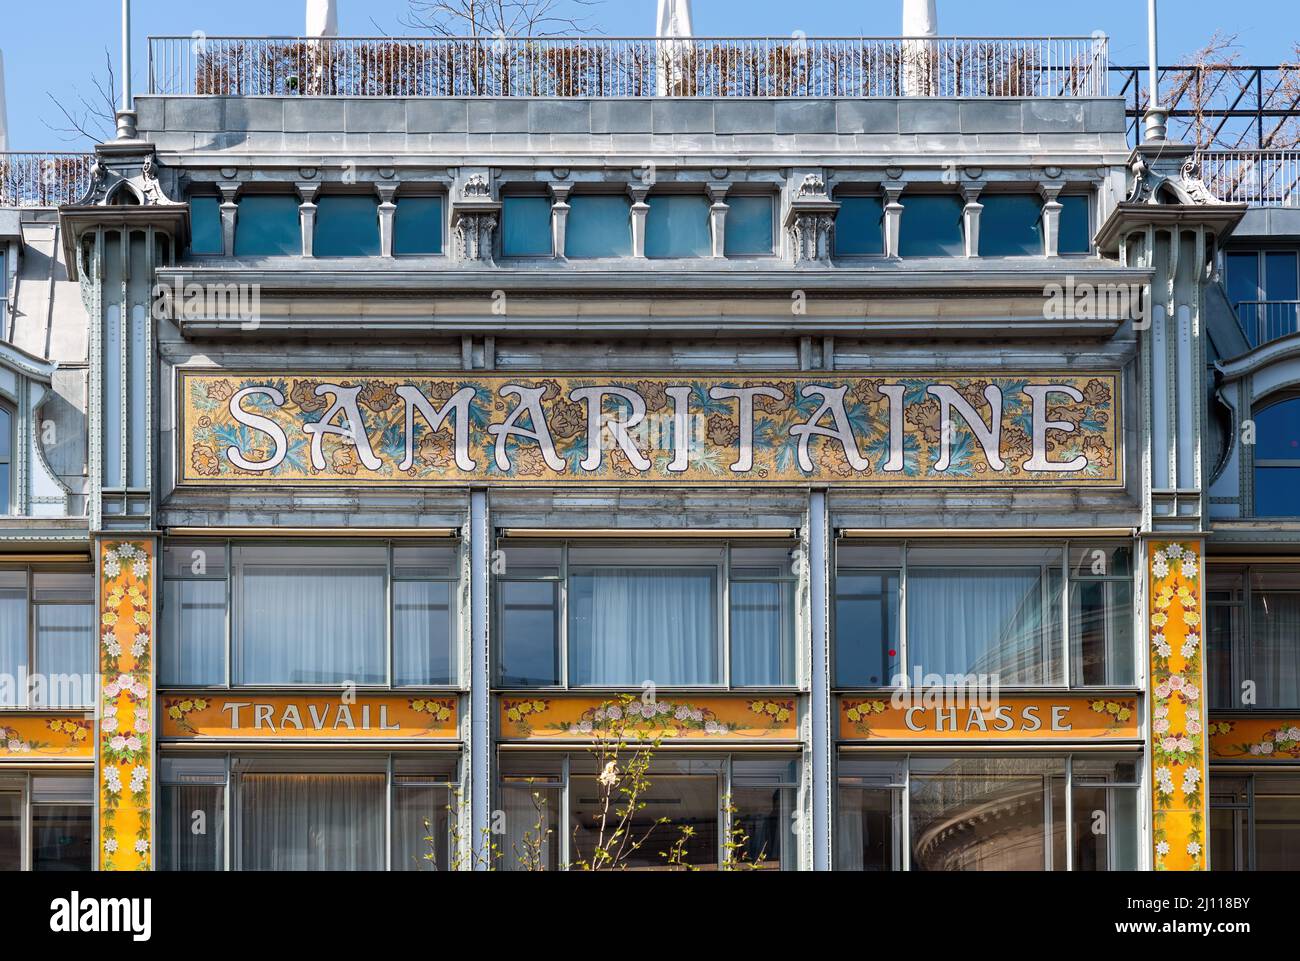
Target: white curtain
[
  {"x": 420, "y": 825},
  {"x": 523, "y": 818},
  {"x": 850, "y": 821},
  {"x": 312, "y": 822},
  {"x": 761, "y": 617},
  {"x": 194, "y": 644},
  {"x": 421, "y": 633},
  {"x": 312, "y": 625},
  {"x": 65, "y": 653},
  {"x": 972, "y": 620},
  {"x": 13, "y": 624},
  {"x": 1276, "y": 647},
  {"x": 628, "y": 625}
]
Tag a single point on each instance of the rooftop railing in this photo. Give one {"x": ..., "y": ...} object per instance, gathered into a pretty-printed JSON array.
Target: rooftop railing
[
  {"x": 628, "y": 67},
  {"x": 43, "y": 179},
  {"x": 1264, "y": 321},
  {"x": 1261, "y": 178}
]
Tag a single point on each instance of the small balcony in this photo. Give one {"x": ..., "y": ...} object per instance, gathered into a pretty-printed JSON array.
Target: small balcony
[
  {"x": 43, "y": 179},
  {"x": 610, "y": 67}
]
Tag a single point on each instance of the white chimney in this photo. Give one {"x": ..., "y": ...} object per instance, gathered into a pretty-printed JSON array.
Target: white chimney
[
  {"x": 4, "y": 113},
  {"x": 322, "y": 18},
  {"x": 920, "y": 20},
  {"x": 673, "y": 29}
]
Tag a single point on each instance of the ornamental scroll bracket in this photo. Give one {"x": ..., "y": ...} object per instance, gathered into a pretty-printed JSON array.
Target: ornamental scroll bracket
[
  {"x": 810, "y": 222},
  {"x": 474, "y": 219}
]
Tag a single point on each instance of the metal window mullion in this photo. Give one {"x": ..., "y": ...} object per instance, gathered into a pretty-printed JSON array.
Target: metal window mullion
[
  {"x": 230, "y": 613},
  {"x": 390, "y": 599},
  {"x": 563, "y": 631},
  {"x": 1064, "y": 639},
  {"x": 124, "y": 362},
  {"x": 32, "y": 666},
  {"x": 725, "y": 616},
  {"x": 565, "y": 854},
  {"x": 1069, "y": 813}
]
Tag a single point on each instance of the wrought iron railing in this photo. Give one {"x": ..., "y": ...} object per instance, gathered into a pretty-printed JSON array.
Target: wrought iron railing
[
  {"x": 1267, "y": 320},
  {"x": 1261, "y": 178},
  {"x": 628, "y": 67},
  {"x": 43, "y": 179}
]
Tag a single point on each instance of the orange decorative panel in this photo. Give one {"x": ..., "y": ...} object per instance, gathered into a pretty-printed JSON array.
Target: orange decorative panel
[
  {"x": 31, "y": 737},
  {"x": 308, "y": 717},
  {"x": 1066, "y": 718},
  {"x": 1177, "y": 677},
  {"x": 568, "y": 717},
  {"x": 1255, "y": 739},
  {"x": 126, "y": 720}
]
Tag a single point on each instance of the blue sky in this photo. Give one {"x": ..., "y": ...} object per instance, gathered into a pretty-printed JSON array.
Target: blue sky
[{"x": 37, "y": 65}]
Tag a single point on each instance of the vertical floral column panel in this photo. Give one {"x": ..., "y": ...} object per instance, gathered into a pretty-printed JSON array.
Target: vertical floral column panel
[
  {"x": 1178, "y": 741},
  {"x": 126, "y": 707}
]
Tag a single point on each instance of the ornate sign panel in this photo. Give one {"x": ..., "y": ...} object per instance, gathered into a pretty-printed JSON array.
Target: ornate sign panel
[
  {"x": 909, "y": 429},
  {"x": 34, "y": 737},
  {"x": 1255, "y": 739},
  {"x": 547, "y": 717},
  {"x": 1065, "y": 718},
  {"x": 308, "y": 717}
]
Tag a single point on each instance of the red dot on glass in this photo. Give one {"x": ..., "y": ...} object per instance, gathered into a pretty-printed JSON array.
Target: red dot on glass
[{"x": 893, "y": 653}]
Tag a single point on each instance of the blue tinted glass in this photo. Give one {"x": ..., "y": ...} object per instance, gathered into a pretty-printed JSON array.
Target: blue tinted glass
[
  {"x": 347, "y": 227},
  {"x": 205, "y": 226},
  {"x": 1275, "y": 491},
  {"x": 859, "y": 231},
  {"x": 1242, "y": 277},
  {"x": 677, "y": 227},
  {"x": 931, "y": 227},
  {"x": 749, "y": 227},
  {"x": 1277, "y": 433},
  {"x": 526, "y": 227},
  {"x": 267, "y": 226},
  {"x": 1010, "y": 226},
  {"x": 417, "y": 226},
  {"x": 1076, "y": 226},
  {"x": 1280, "y": 276},
  {"x": 598, "y": 227}
]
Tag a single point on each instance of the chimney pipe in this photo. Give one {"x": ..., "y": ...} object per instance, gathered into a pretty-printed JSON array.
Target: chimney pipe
[{"x": 1157, "y": 117}]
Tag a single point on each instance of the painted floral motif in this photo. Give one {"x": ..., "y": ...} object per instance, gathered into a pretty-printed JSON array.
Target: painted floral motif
[
  {"x": 782, "y": 449},
  {"x": 126, "y": 716},
  {"x": 1273, "y": 743},
  {"x": 649, "y": 719},
  {"x": 437, "y": 709},
  {"x": 1117, "y": 713},
  {"x": 859, "y": 713},
  {"x": 179, "y": 709},
  {"x": 772, "y": 711},
  {"x": 1178, "y": 742}
]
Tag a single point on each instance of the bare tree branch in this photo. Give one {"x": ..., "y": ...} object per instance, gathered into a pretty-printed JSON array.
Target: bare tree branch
[
  {"x": 509, "y": 18},
  {"x": 92, "y": 116}
]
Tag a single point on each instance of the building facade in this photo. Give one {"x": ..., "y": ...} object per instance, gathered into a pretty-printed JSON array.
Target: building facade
[{"x": 411, "y": 448}]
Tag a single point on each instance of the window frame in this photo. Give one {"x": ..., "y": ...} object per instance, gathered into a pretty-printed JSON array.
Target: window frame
[
  {"x": 521, "y": 193},
  {"x": 774, "y": 202},
  {"x": 862, "y": 192},
  {"x": 415, "y": 192},
  {"x": 899, "y": 788},
  {"x": 1241, "y": 645},
  {"x": 1277, "y": 399},
  {"x": 996, "y": 195},
  {"x": 232, "y": 681},
  {"x": 723, "y": 600},
  {"x": 1058, "y": 654},
  {"x": 1090, "y": 201},
  {"x": 33, "y": 667},
  {"x": 284, "y": 194},
  {"x": 21, "y": 783}
]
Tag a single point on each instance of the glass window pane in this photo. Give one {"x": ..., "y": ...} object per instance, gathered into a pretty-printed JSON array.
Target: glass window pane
[
  {"x": 311, "y": 615},
  {"x": 598, "y": 226},
  {"x": 1076, "y": 227},
  {"x": 1277, "y": 822},
  {"x": 932, "y": 227},
  {"x": 1105, "y": 828},
  {"x": 677, "y": 227},
  {"x": 761, "y": 822},
  {"x": 532, "y": 840},
  {"x": 65, "y": 645},
  {"x": 193, "y": 649},
  {"x": 679, "y": 800},
  {"x": 205, "y": 226},
  {"x": 267, "y": 225},
  {"x": 11, "y": 831},
  {"x": 866, "y": 628},
  {"x": 868, "y": 826},
  {"x": 762, "y": 633},
  {"x": 311, "y": 822},
  {"x": 417, "y": 226},
  {"x": 1224, "y": 626},
  {"x": 749, "y": 227},
  {"x": 421, "y": 824},
  {"x": 1228, "y": 840},
  {"x": 1280, "y": 276},
  {"x": 1101, "y": 632},
  {"x": 1274, "y": 653},
  {"x": 347, "y": 227},
  {"x": 191, "y": 834},
  {"x": 61, "y": 837},
  {"x": 628, "y": 625},
  {"x": 1242, "y": 277},
  {"x": 13, "y": 628},
  {"x": 526, "y": 227},
  {"x": 1275, "y": 489},
  {"x": 990, "y": 617},
  {"x": 530, "y": 634},
  {"x": 859, "y": 227},
  {"x": 1011, "y": 226},
  {"x": 422, "y": 633},
  {"x": 946, "y": 792},
  {"x": 1277, "y": 429}
]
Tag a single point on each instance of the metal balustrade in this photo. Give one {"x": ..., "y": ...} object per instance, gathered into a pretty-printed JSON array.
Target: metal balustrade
[
  {"x": 1267, "y": 320},
  {"x": 1262, "y": 178},
  {"x": 43, "y": 179},
  {"x": 628, "y": 67}
]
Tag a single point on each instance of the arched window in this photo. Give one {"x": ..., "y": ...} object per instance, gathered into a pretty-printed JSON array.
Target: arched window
[
  {"x": 1277, "y": 460},
  {"x": 6, "y": 461}
]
